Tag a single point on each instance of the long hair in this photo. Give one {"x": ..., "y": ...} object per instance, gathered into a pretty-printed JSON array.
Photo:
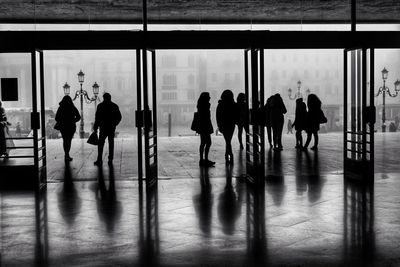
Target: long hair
[
  {"x": 313, "y": 102},
  {"x": 204, "y": 100},
  {"x": 241, "y": 98},
  {"x": 227, "y": 97}
]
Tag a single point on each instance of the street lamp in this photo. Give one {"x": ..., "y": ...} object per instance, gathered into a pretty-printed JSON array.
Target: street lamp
[
  {"x": 298, "y": 94},
  {"x": 385, "y": 90},
  {"x": 83, "y": 94}
]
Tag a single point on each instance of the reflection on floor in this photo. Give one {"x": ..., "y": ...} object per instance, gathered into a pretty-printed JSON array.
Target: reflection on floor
[{"x": 306, "y": 219}]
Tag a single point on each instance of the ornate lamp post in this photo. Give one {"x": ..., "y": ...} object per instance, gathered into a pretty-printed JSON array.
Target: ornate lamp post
[
  {"x": 298, "y": 94},
  {"x": 83, "y": 94},
  {"x": 385, "y": 90}
]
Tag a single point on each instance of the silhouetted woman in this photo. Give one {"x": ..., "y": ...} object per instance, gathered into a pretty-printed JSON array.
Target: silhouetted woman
[
  {"x": 242, "y": 116},
  {"x": 315, "y": 117},
  {"x": 226, "y": 120},
  {"x": 267, "y": 116},
  {"x": 66, "y": 117},
  {"x": 204, "y": 128},
  {"x": 277, "y": 120},
  {"x": 3, "y": 131},
  {"x": 300, "y": 121}
]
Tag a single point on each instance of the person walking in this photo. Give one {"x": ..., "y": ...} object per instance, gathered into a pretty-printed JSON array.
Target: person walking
[
  {"x": 107, "y": 118},
  {"x": 267, "y": 116},
  {"x": 242, "y": 116},
  {"x": 300, "y": 121},
  {"x": 278, "y": 110},
  {"x": 226, "y": 120},
  {"x": 315, "y": 116},
  {"x": 66, "y": 117},
  {"x": 204, "y": 128}
]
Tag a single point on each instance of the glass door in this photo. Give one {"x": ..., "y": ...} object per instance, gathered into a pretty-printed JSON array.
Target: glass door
[
  {"x": 359, "y": 113},
  {"x": 23, "y": 161},
  {"x": 147, "y": 117},
  {"x": 38, "y": 117},
  {"x": 254, "y": 90}
]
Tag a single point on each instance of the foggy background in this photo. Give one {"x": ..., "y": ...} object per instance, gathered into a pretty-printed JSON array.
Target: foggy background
[{"x": 181, "y": 77}]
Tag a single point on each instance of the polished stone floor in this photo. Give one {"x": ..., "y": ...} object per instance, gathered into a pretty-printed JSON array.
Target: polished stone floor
[{"x": 305, "y": 214}]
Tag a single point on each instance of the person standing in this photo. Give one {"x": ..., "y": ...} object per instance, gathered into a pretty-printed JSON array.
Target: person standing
[
  {"x": 226, "y": 120},
  {"x": 204, "y": 128},
  {"x": 107, "y": 118},
  {"x": 3, "y": 131},
  {"x": 278, "y": 110},
  {"x": 315, "y": 116},
  {"x": 66, "y": 117},
  {"x": 268, "y": 124},
  {"x": 242, "y": 116},
  {"x": 300, "y": 121}
]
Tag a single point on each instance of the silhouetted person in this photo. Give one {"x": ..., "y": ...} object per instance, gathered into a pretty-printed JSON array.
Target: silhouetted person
[
  {"x": 67, "y": 116},
  {"x": 315, "y": 117},
  {"x": 300, "y": 121},
  {"x": 242, "y": 116},
  {"x": 226, "y": 120},
  {"x": 3, "y": 131},
  {"x": 268, "y": 124},
  {"x": 18, "y": 131},
  {"x": 277, "y": 120},
  {"x": 107, "y": 118},
  {"x": 204, "y": 128}
]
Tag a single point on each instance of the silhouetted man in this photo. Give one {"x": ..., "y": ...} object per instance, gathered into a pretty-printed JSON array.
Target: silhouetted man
[{"x": 108, "y": 117}]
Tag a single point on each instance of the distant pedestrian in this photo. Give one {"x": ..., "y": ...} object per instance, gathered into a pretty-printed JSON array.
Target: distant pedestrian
[
  {"x": 315, "y": 117},
  {"x": 204, "y": 128},
  {"x": 107, "y": 117},
  {"x": 66, "y": 117},
  {"x": 243, "y": 115},
  {"x": 278, "y": 110},
  {"x": 300, "y": 121},
  {"x": 267, "y": 120},
  {"x": 226, "y": 120},
  {"x": 18, "y": 131},
  {"x": 289, "y": 127}
]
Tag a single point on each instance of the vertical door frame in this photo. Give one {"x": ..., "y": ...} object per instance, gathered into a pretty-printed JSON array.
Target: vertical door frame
[{"x": 362, "y": 109}]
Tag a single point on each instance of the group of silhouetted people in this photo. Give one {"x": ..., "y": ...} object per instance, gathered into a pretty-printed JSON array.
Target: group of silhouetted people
[
  {"x": 271, "y": 115},
  {"x": 107, "y": 117}
]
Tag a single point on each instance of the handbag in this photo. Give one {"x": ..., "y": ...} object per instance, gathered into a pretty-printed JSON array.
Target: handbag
[
  {"x": 322, "y": 118},
  {"x": 195, "y": 123},
  {"x": 93, "y": 139}
]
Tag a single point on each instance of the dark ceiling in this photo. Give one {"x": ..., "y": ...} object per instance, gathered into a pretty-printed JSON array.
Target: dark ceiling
[{"x": 197, "y": 11}]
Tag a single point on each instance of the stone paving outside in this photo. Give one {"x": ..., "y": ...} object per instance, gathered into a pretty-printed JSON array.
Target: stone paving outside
[{"x": 178, "y": 157}]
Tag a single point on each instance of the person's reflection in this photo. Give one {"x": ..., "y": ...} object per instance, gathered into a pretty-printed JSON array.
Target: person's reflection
[
  {"x": 276, "y": 183},
  {"x": 301, "y": 178},
  {"x": 69, "y": 202},
  {"x": 315, "y": 182},
  {"x": 203, "y": 202},
  {"x": 149, "y": 241},
  {"x": 229, "y": 206},
  {"x": 255, "y": 230},
  {"x": 108, "y": 207},
  {"x": 41, "y": 247},
  {"x": 358, "y": 222}
]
